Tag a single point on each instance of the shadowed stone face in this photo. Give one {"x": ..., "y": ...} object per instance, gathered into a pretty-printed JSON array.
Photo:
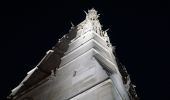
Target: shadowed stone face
[{"x": 28, "y": 98}]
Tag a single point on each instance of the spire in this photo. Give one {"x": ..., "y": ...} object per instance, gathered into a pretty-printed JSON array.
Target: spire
[{"x": 92, "y": 23}]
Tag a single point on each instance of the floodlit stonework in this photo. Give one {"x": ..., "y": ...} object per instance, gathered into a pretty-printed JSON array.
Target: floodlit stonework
[{"x": 81, "y": 66}]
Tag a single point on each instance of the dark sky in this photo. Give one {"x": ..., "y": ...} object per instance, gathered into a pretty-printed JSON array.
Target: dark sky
[{"x": 139, "y": 30}]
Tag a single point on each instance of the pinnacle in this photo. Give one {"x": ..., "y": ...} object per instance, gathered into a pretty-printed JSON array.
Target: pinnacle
[{"x": 92, "y": 14}]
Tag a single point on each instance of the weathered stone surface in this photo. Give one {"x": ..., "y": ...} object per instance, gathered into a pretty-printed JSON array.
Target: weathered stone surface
[
  {"x": 81, "y": 66},
  {"x": 102, "y": 91}
]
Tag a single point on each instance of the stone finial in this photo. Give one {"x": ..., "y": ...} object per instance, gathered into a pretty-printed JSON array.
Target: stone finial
[
  {"x": 72, "y": 25},
  {"x": 92, "y": 14}
]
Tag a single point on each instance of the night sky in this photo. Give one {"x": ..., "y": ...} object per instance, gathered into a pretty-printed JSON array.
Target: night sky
[{"x": 139, "y": 30}]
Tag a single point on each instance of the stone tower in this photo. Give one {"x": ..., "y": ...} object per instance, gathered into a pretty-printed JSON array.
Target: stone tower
[{"x": 81, "y": 66}]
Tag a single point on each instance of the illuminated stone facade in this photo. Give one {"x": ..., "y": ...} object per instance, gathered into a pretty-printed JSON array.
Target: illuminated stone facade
[{"x": 81, "y": 66}]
